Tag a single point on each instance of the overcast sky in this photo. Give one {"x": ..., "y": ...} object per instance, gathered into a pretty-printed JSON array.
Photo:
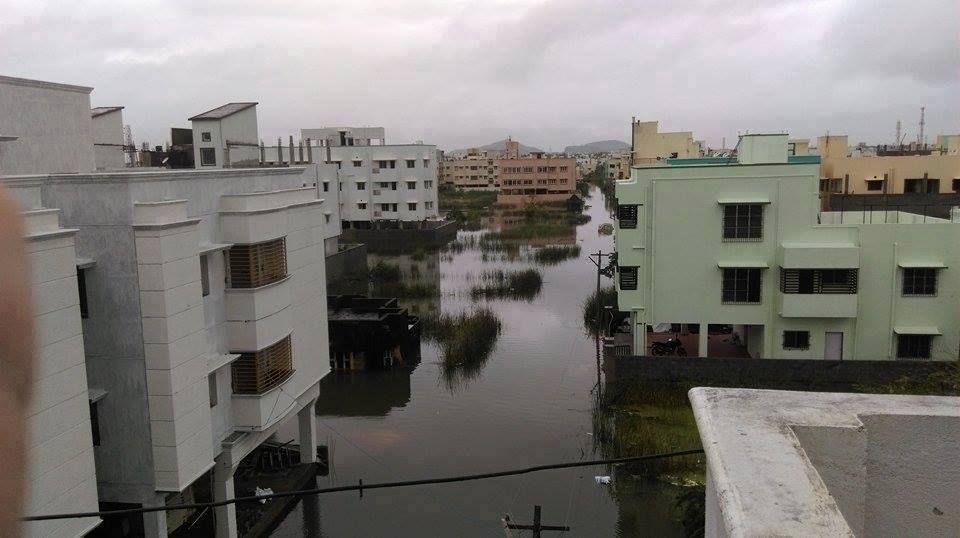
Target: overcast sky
[{"x": 548, "y": 72}]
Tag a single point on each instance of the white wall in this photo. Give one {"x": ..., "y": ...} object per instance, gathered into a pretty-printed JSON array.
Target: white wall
[
  {"x": 108, "y": 140},
  {"x": 52, "y": 123},
  {"x": 61, "y": 473},
  {"x": 424, "y": 177}
]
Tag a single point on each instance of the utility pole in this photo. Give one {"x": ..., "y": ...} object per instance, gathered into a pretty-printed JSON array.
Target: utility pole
[
  {"x": 537, "y": 526},
  {"x": 920, "y": 137}
]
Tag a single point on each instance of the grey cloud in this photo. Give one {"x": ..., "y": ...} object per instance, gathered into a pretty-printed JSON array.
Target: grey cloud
[{"x": 460, "y": 73}]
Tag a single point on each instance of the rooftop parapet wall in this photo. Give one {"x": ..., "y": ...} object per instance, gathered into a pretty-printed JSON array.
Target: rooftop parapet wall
[{"x": 829, "y": 464}]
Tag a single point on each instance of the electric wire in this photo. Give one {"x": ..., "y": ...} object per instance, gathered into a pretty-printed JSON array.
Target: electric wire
[{"x": 361, "y": 487}]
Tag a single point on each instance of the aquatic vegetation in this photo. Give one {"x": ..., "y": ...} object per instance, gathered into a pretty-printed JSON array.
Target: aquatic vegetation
[
  {"x": 522, "y": 284},
  {"x": 554, "y": 254},
  {"x": 384, "y": 272},
  {"x": 606, "y": 297},
  {"x": 466, "y": 339}
]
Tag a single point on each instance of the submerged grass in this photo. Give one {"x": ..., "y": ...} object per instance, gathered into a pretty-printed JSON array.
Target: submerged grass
[
  {"x": 554, "y": 254},
  {"x": 522, "y": 284},
  {"x": 466, "y": 339},
  {"x": 606, "y": 297}
]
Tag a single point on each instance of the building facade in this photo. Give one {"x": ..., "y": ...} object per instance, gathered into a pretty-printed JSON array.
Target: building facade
[
  {"x": 226, "y": 136},
  {"x": 710, "y": 241},
  {"x": 650, "y": 145},
  {"x": 537, "y": 178},
  {"x": 376, "y": 181},
  {"x": 51, "y": 124},
  {"x": 888, "y": 170},
  {"x": 477, "y": 170},
  {"x": 181, "y": 317},
  {"x": 108, "y": 148},
  {"x": 617, "y": 167},
  {"x": 60, "y": 473}
]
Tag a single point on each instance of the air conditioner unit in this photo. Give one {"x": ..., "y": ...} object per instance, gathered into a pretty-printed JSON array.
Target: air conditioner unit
[
  {"x": 376, "y": 170},
  {"x": 376, "y": 192},
  {"x": 376, "y": 213}
]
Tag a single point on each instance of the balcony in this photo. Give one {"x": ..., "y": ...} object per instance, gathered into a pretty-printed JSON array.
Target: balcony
[
  {"x": 818, "y": 305},
  {"x": 257, "y": 380},
  {"x": 264, "y": 370}
]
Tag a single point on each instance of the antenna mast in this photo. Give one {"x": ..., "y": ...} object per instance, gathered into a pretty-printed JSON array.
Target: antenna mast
[{"x": 920, "y": 138}]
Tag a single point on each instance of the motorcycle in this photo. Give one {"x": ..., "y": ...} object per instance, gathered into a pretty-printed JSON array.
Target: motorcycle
[{"x": 669, "y": 347}]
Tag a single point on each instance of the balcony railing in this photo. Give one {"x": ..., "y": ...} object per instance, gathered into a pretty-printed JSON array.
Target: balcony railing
[
  {"x": 259, "y": 264},
  {"x": 261, "y": 371}
]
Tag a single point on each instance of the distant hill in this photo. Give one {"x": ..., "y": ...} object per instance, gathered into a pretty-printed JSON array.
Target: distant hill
[
  {"x": 499, "y": 145},
  {"x": 601, "y": 146}
]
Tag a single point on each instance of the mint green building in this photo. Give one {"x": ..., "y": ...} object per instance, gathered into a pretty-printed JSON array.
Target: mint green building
[{"x": 742, "y": 242}]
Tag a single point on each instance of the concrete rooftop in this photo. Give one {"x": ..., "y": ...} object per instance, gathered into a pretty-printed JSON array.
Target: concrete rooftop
[{"x": 784, "y": 463}]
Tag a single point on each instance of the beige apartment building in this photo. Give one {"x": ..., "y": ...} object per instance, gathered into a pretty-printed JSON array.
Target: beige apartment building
[
  {"x": 476, "y": 170},
  {"x": 650, "y": 145},
  {"x": 892, "y": 170},
  {"x": 536, "y": 178}
]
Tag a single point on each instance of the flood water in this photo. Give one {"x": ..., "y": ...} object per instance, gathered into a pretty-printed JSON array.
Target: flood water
[{"x": 530, "y": 404}]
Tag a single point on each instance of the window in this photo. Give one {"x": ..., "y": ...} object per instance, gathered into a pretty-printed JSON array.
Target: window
[
  {"x": 428, "y": 184},
  {"x": 411, "y": 163},
  {"x": 260, "y": 371},
  {"x": 95, "y": 423},
  {"x": 741, "y": 285},
  {"x": 326, "y": 186},
  {"x": 386, "y": 164},
  {"x": 412, "y": 206},
  {"x": 357, "y": 164},
  {"x": 258, "y": 264},
  {"x": 428, "y": 205},
  {"x": 426, "y": 163},
  {"x": 920, "y": 281},
  {"x": 913, "y": 346},
  {"x": 326, "y": 219},
  {"x": 816, "y": 281},
  {"x": 922, "y": 185},
  {"x": 212, "y": 388},
  {"x": 796, "y": 339},
  {"x": 208, "y": 157},
  {"x": 411, "y": 185},
  {"x": 82, "y": 291},
  {"x": 627, "y": 215},
  {"x": 205, "y": 136},
  {"x": 361, "y": 185},
  {"x": 628, "y": 278},
  {"x": 874, "y": 184},
  {"x": 956, "y": 184},
  {"x": 743, "y": 222},
  {"x": 393, "y": 207},
  {"x": 204, "y": 275},
  {"x": 393, "y": 186},
  {"x": 361, "y": 205},
  {"x": 674, "y": 155},
  {"x": 340, "y": 186}
]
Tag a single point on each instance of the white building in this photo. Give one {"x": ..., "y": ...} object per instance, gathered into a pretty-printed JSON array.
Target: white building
[
  {"x": 742, "y": 243},
  {"x": 52, "y": 126},
  {"x": 108, "y": 148},
  {"x": 377, "y": 182},
  {"x": 204, "y": 326},
  {"x": 785, "y": 463},
  {"x": 60, "y": 474},
  {"x": 226, "y": 136}
]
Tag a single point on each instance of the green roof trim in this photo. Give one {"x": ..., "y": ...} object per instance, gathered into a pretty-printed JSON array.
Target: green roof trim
[{"x": 732, "y": 161}]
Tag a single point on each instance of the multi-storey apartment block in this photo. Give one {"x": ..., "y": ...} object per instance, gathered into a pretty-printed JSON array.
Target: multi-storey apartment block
[
  {"x": 202, "y": 296},
  {"x": 378, "y": 182},
  {"x": 477, "y": 170},
  {"x": 890, "y": 170},
  {"x": 743, "y": 243},
  {"x": 537, "y": 178}
]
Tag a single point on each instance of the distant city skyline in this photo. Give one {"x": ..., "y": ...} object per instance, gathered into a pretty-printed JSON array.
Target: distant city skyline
[{"x": 548, "y": 73}]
